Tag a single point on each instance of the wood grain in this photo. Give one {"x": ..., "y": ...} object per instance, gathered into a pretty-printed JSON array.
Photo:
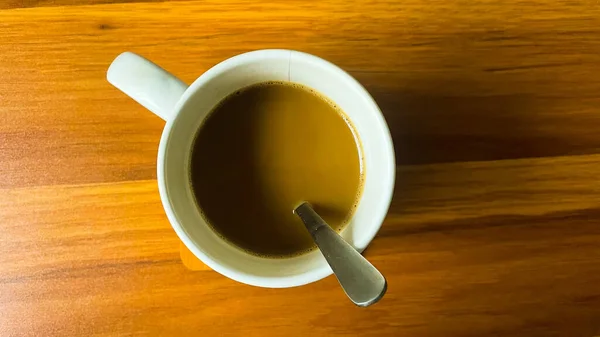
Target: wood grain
[
  {"x": 493, "y": 108},
  {"x": 11, "y": 4}
]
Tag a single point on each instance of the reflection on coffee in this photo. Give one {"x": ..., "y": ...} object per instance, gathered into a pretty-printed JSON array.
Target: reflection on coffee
[{"x": 264, "y": 149}]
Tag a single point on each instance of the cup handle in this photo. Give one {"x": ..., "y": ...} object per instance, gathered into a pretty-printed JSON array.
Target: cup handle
[{"x": 148, "y": 84}]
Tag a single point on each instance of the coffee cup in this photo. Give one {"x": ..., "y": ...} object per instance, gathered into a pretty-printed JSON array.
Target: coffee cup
[{"x": 185, "y": 107}]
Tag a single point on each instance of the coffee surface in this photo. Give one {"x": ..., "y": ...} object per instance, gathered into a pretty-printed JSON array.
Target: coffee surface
[{"x": 262, "y": 151}]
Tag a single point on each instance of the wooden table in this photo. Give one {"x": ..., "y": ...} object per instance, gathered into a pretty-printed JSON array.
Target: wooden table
[{"x": 495, "y": 113}]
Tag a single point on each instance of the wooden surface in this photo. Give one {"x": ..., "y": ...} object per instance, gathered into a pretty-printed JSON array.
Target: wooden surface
[{"x": 494, "y": 107}]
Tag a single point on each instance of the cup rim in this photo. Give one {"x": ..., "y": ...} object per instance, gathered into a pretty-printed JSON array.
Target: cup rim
[{"x": 262, "y": 281}]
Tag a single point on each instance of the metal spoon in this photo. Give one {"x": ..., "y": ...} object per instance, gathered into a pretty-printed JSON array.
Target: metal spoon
[{"x": 362, "y": 282}]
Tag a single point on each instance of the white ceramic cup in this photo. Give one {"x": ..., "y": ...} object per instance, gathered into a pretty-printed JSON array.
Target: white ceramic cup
[{"x": 184, "y": 109}]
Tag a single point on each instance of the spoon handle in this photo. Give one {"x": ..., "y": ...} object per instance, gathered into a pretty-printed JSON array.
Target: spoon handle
[{"x": 361, "y": 281}]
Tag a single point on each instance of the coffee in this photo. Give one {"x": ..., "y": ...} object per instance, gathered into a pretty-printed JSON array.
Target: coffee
[{"x": 263, "y": 150}]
